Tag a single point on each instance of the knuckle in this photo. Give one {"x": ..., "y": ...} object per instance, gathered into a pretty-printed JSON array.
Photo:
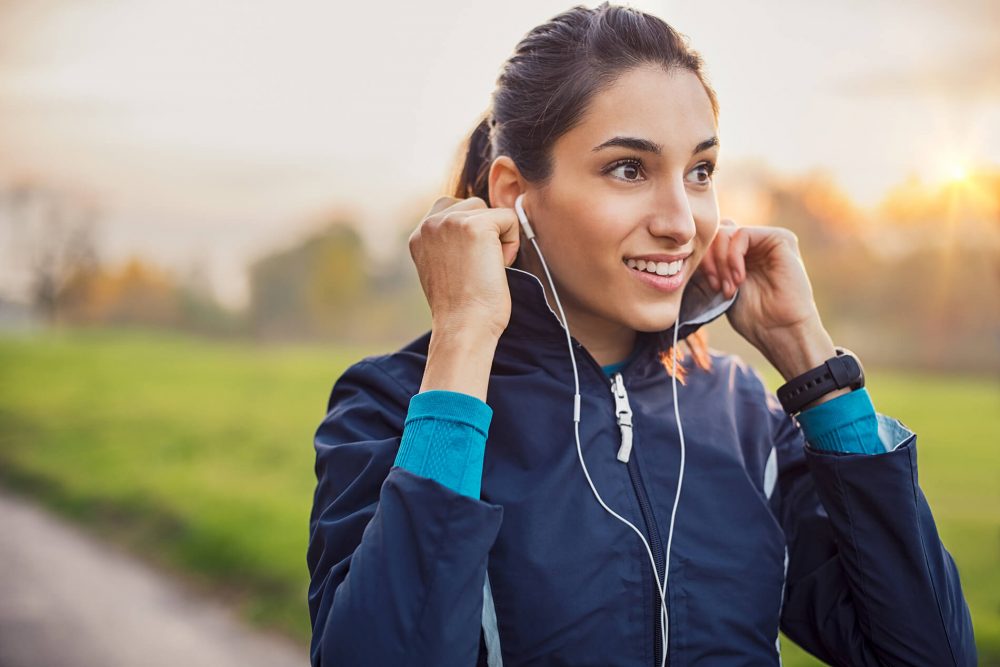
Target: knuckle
[
  {"x": 415, "y": 247},
  {"x": 451, "y": 220},
  {"x": 440, "y": 204}
]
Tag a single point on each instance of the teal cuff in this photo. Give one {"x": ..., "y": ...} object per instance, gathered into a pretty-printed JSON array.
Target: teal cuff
[
  {"x": 845, "y": 424},
  {"x": 444, "y": 438}
]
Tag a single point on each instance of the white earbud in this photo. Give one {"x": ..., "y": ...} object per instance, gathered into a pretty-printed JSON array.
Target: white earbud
[{"x": 519, "y": 208}]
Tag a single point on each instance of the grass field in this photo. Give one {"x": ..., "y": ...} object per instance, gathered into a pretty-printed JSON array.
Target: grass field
[{"x": 198, "y": 455}]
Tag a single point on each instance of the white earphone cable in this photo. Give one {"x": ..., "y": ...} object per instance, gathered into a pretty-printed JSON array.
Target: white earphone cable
[{"x": 661, "y": 588}]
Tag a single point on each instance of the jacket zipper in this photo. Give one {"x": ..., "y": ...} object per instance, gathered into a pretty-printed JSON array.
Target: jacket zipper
[{"x": 624, "y": 412}]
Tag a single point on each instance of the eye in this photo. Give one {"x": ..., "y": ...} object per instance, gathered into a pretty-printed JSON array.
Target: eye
[
  {"x": 706, "y": 170},
  {"x": 627, "y": 167}
]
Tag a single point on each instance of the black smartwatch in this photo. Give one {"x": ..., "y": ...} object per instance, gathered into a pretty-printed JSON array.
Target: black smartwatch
[{"x": 843, "y": 370}]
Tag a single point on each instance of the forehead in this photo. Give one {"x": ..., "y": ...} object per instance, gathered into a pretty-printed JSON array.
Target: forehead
[{"x": 668, "y": 107}]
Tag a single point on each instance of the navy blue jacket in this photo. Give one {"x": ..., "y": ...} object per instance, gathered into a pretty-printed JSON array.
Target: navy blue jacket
[{"x": 840, "y": 551}]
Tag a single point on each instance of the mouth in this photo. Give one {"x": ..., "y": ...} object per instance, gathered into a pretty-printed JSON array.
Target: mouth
[
  {"x": 658, "y": 268},
  {"x": 662, "y": 276}
]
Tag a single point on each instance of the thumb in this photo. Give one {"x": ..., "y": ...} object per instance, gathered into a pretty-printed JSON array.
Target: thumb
[{"x": 510, "y": 236}]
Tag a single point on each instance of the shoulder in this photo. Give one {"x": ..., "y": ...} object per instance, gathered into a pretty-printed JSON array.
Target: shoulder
[
  {"x": 740, "y": 377},
  {"x": 396, "y": 374},
  {"x": 762, "y": 420},
  {"x": 746, "y": 387}
]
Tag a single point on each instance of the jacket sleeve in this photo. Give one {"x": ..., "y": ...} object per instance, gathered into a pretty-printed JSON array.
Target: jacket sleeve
[
  {"x": 847, "y": 424},
  {"x": 444, "y": 438},
  {"x": 868, "y": 580},
  {"x": 396, "y": 560}
]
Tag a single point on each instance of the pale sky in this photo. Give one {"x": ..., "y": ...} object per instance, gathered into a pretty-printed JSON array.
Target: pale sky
[{"x": 211, "y": 131}]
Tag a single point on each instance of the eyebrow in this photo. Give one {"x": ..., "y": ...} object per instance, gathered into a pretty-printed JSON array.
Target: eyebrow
[{"x": 638, "y": 144}]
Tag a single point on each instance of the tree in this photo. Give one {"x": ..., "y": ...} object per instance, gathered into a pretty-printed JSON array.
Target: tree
[
  {"x": 314, "y": 288},
  {"x": 54, "y": 236}
]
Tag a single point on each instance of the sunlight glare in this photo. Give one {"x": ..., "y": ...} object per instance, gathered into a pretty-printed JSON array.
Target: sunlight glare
[{"x": 957, "y": 173}]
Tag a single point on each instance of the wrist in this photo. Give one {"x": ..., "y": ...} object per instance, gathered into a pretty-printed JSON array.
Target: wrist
[
  {"x": 812, "y": 367},
  {"x": 459, "y": 359},
  {"x": 795, "y": 350}
]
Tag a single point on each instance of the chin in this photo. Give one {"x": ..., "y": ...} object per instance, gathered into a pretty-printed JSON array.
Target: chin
[{"x": 657, "y": 318}]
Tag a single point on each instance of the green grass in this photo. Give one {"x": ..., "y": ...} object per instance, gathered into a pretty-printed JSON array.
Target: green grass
[{"x": 199, "y": 456}]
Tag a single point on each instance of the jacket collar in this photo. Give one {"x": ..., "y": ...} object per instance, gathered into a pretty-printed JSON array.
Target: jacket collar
[{"x": 532, "y": 320}]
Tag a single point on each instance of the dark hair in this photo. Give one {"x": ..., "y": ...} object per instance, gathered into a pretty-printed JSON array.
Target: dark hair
[{"x": 545, "y": 87}]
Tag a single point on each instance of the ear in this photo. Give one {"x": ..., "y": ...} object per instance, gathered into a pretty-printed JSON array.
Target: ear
[{"x": 506, "y": 182}]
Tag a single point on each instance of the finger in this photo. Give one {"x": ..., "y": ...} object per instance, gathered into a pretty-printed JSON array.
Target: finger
[
  {"x": 719, "y": 251},
  {"x": 738, "y": 247},
  {"x": 505, "y": 224},
  {"x": 449, "y": 204},
  {"x": 708, "y": 268},
  {"x": 736, "y": 275},
  {"x": 714, "y": 270},
  {"x": 469, "y": 204},
  {"x": 440, "y": 204}
]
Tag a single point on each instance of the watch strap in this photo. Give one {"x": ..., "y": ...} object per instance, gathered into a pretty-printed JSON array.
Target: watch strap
[{"x": 837, "y": 372}]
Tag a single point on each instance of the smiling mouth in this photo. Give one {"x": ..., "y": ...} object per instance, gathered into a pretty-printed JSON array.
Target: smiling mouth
[{"x": 657, "y": 268}]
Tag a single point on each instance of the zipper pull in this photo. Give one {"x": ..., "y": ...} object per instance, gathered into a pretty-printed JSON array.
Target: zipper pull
[{"x": 624, "y": 411}]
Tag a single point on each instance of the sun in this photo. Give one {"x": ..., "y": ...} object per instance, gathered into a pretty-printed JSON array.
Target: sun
[{"x": 958, "y": 173}]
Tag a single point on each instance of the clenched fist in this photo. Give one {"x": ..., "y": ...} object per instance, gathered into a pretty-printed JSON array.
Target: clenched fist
[{"x": 460, "y": 249}]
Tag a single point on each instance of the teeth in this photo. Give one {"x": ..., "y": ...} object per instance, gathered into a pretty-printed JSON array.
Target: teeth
[{"x": 659, "y": 268}]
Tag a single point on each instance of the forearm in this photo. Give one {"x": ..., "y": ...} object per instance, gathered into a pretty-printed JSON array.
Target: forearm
[
  {"x": 904, "y": 584},
  {"x": 444, "y": 436},
  {"x": 414, "y": 580},
  {"x": 382, "y": 538},
  {"x": 795, "y": 350},
  {"x": 459, "y": 358}
]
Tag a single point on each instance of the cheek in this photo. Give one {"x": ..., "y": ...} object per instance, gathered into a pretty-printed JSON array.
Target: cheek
[{"x": 591, "y": 231}]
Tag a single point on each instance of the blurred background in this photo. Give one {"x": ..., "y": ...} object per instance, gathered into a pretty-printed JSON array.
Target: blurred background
[{"x": 204, "y": 210}]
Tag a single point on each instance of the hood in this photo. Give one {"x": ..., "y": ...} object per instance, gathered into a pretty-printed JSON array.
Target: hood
[{"x": 532, "y": 319}]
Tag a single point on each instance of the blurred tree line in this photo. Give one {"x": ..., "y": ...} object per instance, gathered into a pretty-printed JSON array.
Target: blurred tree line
[
  {"x": 52, "y": 237},
  {"x": 914, "y": 283},
  {"x": 322, "y": 287},
  {"x": 327, "y": 287}
]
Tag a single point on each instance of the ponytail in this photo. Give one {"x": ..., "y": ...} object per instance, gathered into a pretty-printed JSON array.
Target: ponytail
[{"x": 472, "y": 177}]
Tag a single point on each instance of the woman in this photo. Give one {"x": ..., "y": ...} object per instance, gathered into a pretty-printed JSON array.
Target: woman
[{"x": 635, "y": 520}]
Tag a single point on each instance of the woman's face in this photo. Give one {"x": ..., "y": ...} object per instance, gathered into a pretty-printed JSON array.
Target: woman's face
[{"x": 633, "y": 179}]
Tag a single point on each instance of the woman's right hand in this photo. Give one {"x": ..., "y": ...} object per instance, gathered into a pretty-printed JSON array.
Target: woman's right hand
[{"x": 460, "y": 249}]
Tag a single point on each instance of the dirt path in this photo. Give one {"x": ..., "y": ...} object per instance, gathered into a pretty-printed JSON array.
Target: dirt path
[{"x": 67, "y": 599}]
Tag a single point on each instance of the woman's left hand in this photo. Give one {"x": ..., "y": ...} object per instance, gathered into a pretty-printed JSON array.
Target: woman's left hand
[{"x": 776, "y": 303}]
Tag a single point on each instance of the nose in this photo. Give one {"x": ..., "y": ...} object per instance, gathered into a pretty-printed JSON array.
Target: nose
[{"x": 672, "y": 216}]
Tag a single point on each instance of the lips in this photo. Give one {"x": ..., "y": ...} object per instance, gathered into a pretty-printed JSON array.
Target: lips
[
  {"x": 659, "y": 279},
  {"x": 661, "y": 268},
  {"x": 660, "y": 257}
]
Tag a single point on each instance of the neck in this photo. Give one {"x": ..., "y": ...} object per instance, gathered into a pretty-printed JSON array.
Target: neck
[{"x": 608, "y": 342}]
